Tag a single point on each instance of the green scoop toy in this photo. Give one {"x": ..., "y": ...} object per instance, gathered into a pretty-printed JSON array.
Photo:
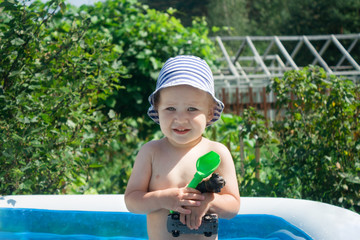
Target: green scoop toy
[{"x": 205, "y": 165}]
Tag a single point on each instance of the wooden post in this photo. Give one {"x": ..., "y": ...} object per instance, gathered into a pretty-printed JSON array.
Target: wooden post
[
  {"x": 251, "y": 100},
  {"x": 242, "y": 156},
  {"x": 265, "y": 106},
  {"x": 237, "y": 104},
  {"x": 257, "y": 160},
  {"x": 292, "y": 98},
  {"x": 241, "y": 103}
]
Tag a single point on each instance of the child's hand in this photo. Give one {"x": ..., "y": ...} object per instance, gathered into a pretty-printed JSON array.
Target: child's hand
[
  {"x": 180, "y": 199},
  {"x": 193, "y": 220}
]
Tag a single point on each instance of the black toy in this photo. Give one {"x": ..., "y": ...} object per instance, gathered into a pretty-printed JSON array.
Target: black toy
[
  {"x": 208, "y": 227},
  {"x": 210, "y": 222}
]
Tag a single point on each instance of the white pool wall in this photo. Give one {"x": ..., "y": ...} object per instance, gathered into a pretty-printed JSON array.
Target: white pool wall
[{"x": 319, "y": 220}]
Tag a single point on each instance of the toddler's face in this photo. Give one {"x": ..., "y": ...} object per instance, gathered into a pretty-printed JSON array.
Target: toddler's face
[{"x": 184, "y": 112}]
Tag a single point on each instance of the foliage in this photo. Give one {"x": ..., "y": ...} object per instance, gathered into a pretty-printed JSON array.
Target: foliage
[
  {"x": 111, "y": 173},
  {"x": 320, "y": 17},
  {"x": 186, "y": 10},
  {"x": 313, "y": 153},
  {"x": 311, "y": 17},
  {"x": 270, "y": 17},
  {"x": 243, "y": 135},
  {"x": 146, "y": 39},
  {"x": 228, "y": 17},
  {"x": 54, "y": 74},
  {"x": 320, "y": 144},
  {"x": 68, "y": 76}
]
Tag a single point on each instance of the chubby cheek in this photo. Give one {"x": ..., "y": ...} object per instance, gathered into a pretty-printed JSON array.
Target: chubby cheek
[
  {"x": 201, "y": 119},
  {"x": 166, "y": 118}
]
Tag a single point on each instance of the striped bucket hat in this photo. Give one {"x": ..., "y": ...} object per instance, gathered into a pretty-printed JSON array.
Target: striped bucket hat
[{"x": 186, "y": 70}]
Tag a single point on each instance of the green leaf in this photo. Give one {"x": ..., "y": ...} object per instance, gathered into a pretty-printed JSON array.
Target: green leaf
[
  {"x": 17, "y": 42},
  {"x": 26, "y": 120},
  {"x": 111, "y": 102},
  {"x": 8, "y": 5},
  {"x": 111, "y": 113},
  {"x": 297, "y": 116},
  {"x": 70, "y": 123},
  {"x": 45, "y": 117},
  {"x": 96, "y": 166}
]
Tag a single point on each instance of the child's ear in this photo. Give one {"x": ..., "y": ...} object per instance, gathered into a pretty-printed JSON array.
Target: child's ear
[{"x": 210, "y": 113}]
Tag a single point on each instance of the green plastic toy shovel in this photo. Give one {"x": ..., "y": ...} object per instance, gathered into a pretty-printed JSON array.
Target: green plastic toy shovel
[{"x": 205, "y": 165}]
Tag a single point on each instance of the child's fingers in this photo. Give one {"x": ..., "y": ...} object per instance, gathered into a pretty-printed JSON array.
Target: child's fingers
[
  {"x": 183, "y": 218},
  {"x": 198, "y": 222},
  {"x": 193, "y": 221},
  {"x": 193, "y": 196},
  {"x": 183, "y": 212},
  {"x": 191, "y": 193},
  {"x": 183, "y": 204},
  {"x": 189, "y": 203},
  {"x": 191, "y": 190}
]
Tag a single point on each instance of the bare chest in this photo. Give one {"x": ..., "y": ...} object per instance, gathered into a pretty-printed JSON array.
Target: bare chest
[{"x": 175, "y": 172}]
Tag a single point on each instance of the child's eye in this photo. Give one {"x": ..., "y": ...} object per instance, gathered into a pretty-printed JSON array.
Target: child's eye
[
  {"x": 192, "y": 109},
  {"x": 170, "y": 109}
]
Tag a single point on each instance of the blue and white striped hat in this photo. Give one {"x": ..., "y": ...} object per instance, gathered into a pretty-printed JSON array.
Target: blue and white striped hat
[{"x": 186, "y": 70}]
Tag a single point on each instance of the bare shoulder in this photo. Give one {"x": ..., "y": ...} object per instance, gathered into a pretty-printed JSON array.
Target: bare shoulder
[
  {"x": 219, "y": 148},
  {"x": 150, "y": 151},
  {"x": 227, "y": 162},
  {"x": 226, "y": 170},
  {"x": 151, "y": 147},
  {"x": 142, "y": 169}
]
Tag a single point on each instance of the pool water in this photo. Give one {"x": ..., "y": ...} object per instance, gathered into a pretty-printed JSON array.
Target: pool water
[{"x": 29, "y": 224}]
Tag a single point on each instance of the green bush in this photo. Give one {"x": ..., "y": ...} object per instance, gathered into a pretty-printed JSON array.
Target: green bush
[
  {"x": 146, "y": 38},
  {"x": 312, "y": 153},
  {"x": 244, "y": 135},
  {"x": 320, "y": 145},
  {"x": 69, "y": 79},
  {"x": 54, "y": 74}
]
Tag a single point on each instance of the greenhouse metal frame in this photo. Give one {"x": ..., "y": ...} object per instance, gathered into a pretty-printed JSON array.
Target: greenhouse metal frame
[{"x": 252, "y": 61}]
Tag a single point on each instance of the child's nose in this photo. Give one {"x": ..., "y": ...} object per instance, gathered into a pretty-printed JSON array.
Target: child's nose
[{"x": 181, "y": 117}]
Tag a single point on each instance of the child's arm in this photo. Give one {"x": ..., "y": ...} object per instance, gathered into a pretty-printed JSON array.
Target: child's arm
[
  {"x": 225, "y": 204},
  {"x": 139, "y": 200}
]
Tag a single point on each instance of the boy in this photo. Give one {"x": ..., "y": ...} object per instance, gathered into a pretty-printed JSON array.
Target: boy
[{"x": 183, "y": 104}]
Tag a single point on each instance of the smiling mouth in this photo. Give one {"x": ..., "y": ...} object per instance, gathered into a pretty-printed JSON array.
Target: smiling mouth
[{"x": 181, "y": 131}]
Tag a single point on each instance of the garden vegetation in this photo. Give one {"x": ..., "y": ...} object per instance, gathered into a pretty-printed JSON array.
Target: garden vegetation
[{"x": 73, "y": 96}]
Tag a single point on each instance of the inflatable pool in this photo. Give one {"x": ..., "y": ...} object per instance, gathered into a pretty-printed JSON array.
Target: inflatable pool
[{"x": 106, "y": 217}]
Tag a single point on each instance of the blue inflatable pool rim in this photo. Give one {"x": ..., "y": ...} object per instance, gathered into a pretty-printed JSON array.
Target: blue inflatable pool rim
[{"x": 124, "y": 225}]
